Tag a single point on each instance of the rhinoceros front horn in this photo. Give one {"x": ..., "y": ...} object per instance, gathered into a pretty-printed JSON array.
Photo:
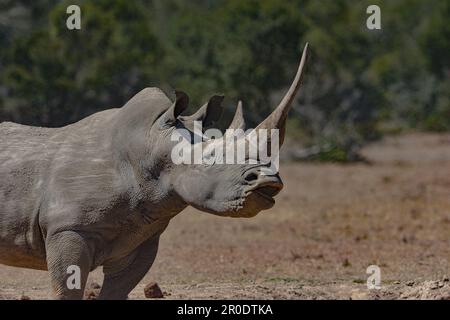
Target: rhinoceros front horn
[{"x": 277, "y": 119}]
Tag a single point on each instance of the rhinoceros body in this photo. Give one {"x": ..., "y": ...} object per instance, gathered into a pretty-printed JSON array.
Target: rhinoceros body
[
  {"x": 101, "y": 191},
  {"x": 56, "y": 180},
  {"x": 68, "y": 179}
]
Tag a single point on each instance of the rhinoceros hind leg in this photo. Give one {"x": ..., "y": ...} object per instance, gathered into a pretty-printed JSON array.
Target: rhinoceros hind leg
[{"x": 69, "y": 262}]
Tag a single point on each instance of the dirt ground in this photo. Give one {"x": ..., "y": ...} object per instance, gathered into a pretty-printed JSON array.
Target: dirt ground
[{"x": 329, "y": 224}]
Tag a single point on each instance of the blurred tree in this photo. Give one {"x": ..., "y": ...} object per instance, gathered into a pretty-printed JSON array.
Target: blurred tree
[
  {"x": 56, "y": 76},
  {"x": 360, "y": 83}
]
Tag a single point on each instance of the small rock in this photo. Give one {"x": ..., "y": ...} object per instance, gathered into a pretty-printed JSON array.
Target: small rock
[
  {"x": 434, "y": 285},
  {"x": 410, "y": 283},
  {"x": 396, "y": 282},
  {"x": 24, "y": 297},
  {"x": 152, "y": 290},
  {"x": 90, "y": 295},
  {"x": 95, "y": 285},
  {"x": 92, "y": 292}
]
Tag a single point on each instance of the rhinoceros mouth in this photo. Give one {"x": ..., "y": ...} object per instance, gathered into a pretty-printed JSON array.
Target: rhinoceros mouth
[
  {"x": 265, "y": 196},
  {"x": 268, "y": 189},
  {"x": 268, "y": 193}
]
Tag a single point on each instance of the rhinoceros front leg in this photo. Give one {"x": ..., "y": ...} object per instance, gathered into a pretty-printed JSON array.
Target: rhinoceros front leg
[
  {"x": 69, "y": 260},
  {"x": 123, "y": 275}
]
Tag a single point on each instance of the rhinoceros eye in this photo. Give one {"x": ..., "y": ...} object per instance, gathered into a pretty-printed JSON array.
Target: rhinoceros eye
[{"x": 168, "y": 123}]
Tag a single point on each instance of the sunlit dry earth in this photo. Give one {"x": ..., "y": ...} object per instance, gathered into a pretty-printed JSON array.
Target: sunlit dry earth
[{"x": 329, "y": 224}]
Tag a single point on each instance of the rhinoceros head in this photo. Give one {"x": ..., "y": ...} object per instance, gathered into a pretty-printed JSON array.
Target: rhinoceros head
[{"x": 226, "y": 189}]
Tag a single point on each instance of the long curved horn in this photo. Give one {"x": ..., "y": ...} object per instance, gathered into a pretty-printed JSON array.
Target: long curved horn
[
  {"x": 277, "y": 119},
  {"x": 238, "y": 121}
]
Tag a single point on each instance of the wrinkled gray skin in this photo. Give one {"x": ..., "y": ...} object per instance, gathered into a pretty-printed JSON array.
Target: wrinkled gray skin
[{"x": 101, "y": 191}]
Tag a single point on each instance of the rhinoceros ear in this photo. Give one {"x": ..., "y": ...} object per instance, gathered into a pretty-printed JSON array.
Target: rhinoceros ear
[
  {"x": 170, "y": 116},
  {"x": 208, "y": 114}
]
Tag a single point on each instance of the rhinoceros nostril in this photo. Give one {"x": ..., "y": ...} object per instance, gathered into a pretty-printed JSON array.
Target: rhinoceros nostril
[{"x": 250, "y": 177}]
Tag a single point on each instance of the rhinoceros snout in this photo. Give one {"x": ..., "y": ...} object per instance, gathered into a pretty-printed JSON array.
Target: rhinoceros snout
[{"x": 265, "y": 185}]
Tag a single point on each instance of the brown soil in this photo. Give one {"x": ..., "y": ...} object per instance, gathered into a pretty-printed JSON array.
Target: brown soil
[{"x": 329, "y": 224}]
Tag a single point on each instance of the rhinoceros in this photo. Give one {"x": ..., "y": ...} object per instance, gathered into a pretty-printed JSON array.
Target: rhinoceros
[{"x": 101, "y": 191}]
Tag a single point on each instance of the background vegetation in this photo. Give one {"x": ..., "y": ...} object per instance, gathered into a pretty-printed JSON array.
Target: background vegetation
[{"x": 359, "y": 84}]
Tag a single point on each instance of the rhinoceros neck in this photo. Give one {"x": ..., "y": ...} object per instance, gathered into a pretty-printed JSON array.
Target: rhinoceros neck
[
  {"x": 152, "y": 197},
  {"x": 146, "y": 191}
]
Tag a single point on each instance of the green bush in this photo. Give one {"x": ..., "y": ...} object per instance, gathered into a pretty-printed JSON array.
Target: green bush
[{"x": 358, "y": 85}]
